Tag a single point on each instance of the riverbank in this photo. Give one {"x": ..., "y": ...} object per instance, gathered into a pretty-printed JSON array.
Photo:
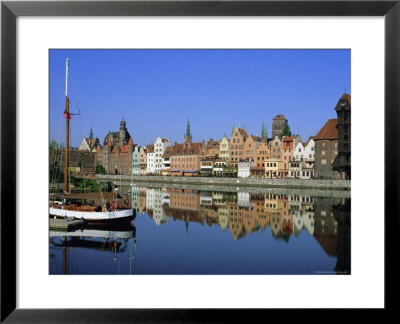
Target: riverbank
[{"x": 232, "y": 182}]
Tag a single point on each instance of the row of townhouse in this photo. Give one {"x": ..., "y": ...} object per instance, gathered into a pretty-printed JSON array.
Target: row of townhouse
[{"x": 327, "y": 155}]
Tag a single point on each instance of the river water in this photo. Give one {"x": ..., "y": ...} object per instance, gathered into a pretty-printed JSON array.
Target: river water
[{"x": 237, "y": 231}]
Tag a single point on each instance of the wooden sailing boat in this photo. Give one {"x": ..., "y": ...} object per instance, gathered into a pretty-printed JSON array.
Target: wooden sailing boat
[{"x": 89, "y": 213}]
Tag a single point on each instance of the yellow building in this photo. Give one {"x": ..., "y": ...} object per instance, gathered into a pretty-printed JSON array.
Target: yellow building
[
  {"x": 224, "y": 148},
  {"x": 272, "y": 168}
]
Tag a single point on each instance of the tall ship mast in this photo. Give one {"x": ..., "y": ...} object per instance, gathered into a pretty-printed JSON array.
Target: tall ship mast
[
  {"x": 67, "y": 118},
  {"x": 108, "y": 213}
]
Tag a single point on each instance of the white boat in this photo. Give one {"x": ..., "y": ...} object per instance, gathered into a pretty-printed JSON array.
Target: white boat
[
  {"x": 92, "y": 216},
  {"x": 89, "y": 213}
]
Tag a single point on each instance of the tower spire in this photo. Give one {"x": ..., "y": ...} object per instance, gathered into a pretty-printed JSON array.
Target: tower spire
[{"x": 188, "y": 135}]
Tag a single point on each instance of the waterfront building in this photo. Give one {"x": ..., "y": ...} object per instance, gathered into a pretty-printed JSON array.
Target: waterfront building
[
  {"x": 83, "y": 163},
  {"x": 326, "y": 150},
  {"x": 166, "y": 161},
  {"x": 120, "y": 158},
  {"x": 118, "y": 138},
  {"x": 342, "y": 162},
  {"x": 219, "y": 166},
  {"x": 151, "y": 168},
  {"x": 257, "y": 171},
  {"x": 302, "y": 164},
  {"x": 224, "y": 149},
  {"x": 206, "y": 166},
  {"x": 116, "y": 154},
  {"x": 305, "y": 150},
  {"x": 262, "y": 153},
  {"x": 236, "y": 145},
  {"x": 287, "y": 152},
  {"x": 279, "y": 122},
  {"x": 212, "y": 149},
  {"x": 142, "y": 158},
  {"x": 135, "y": 160},
  {"x": 244, "y": 168},
  {"x": 160, "y": 146},
  {"x": 89, "y": 144},
  {"x": 275, "y": 148},
  {"x": 273, "y": 169},
  {"x": 185, "y": 158},
  {"x": 250, "y": 146}
]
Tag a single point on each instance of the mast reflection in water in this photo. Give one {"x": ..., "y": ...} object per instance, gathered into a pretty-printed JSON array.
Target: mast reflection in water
[{"x": 183, "y": 231}]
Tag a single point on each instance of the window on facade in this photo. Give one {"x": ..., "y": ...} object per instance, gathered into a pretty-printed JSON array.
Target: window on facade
[{"x": 323, "y": 161}]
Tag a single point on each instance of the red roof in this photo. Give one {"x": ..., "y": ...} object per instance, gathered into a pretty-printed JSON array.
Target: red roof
[
  {"x": 188, "y": 149},
  {"x": 346, "y": 96},
  {"x": 329, "y": 131}
]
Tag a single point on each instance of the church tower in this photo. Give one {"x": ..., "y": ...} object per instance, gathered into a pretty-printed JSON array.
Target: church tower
[
  {"x": 188, "y": 135},
  {"x": 264, "y": 133},
  {"x": 91, "y": 133},
  {"x": 122, "y": 132}
]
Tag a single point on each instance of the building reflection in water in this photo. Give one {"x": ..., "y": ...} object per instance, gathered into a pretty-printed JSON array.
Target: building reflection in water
[{"x": 242, "y": 213}]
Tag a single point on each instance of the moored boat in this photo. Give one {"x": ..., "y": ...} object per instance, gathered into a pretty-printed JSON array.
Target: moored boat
[{"x": 91, "y": 214}]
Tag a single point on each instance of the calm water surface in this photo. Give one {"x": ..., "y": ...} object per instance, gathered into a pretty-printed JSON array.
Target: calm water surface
[{"x": 182, "y": 231}]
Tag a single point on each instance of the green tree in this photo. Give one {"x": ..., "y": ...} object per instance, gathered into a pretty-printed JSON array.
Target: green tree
[
  {"x": 100, "y": 169},
  {"x": 286, "y": 131},
  {"x": 54, "y": 145}
]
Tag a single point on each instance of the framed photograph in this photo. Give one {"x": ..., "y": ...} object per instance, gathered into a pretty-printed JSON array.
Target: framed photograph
[{"x": 204, "y": 149}]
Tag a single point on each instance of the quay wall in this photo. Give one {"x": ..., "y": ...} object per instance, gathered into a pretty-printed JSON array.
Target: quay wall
[{"x": 328, "y": 184}]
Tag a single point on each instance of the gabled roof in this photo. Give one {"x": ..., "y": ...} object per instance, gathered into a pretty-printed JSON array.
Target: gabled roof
[
  {"x": 308, "y": 141},
  {"x": 150, "y": 148},
  {"x": 167, "y": 152},
  {"x": 288, "y": 138},
  {"x": 328, "y": 131},
  {"x": 187, "y": 149}
]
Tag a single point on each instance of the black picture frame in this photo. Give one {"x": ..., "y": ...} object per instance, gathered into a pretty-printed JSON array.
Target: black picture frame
[{"x": 10, "y": 10}]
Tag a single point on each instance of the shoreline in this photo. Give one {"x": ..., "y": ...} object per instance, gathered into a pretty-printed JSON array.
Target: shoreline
[{"x": 340, "y": 185}]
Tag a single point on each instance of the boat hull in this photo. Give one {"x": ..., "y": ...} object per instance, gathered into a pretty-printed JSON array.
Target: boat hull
[{"x": 94, "y": 217}]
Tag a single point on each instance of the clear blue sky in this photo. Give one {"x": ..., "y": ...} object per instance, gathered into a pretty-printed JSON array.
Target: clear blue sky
[{"x": 156, "y": 90}]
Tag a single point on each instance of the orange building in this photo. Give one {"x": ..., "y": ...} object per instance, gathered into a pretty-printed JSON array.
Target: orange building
[
  {"x": 185, "y": 158},
  {"x": 212, "y": 150},
  {"x": 250, "y": 146},
  {"x": 236, "y": 145}
]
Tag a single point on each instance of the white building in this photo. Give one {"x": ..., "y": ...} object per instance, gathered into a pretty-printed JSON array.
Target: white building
[
  {"x": 244, "y": 169},
  {"x": 159, "y": 148},
  {"x": 151, "y": 160},
  {"x": 305, "y": 151},
  {"x": 166, "y": 161},
  {"x": 302, "y": 164}
]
